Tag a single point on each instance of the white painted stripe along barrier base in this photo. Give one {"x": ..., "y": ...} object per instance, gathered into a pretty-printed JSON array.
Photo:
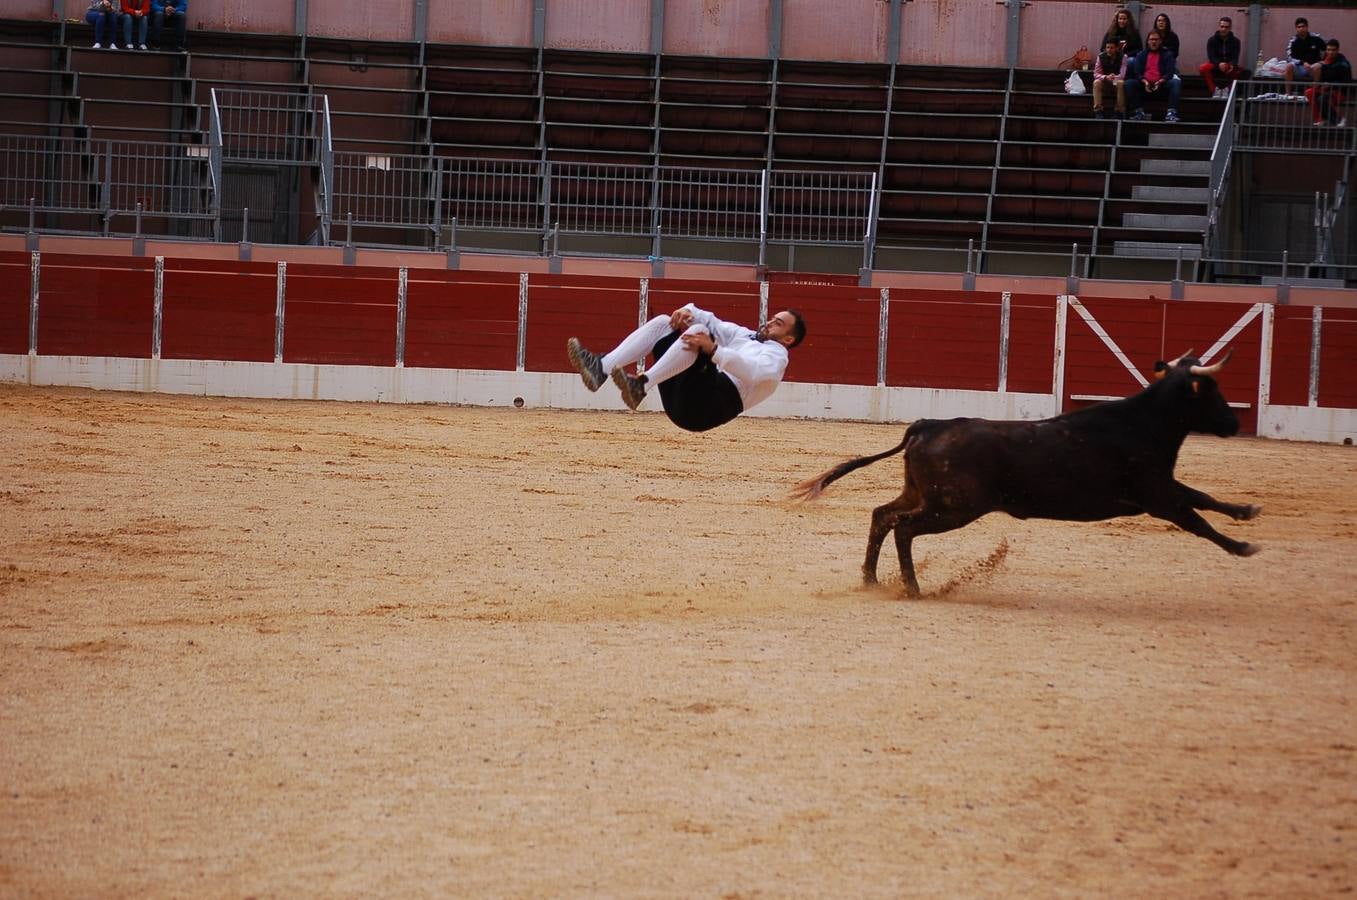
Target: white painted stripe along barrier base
[{"x": 477, "y": 387}]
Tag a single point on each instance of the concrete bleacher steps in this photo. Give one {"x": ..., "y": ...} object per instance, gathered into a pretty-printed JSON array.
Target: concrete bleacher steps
[{"x": 1168, "y": 203}]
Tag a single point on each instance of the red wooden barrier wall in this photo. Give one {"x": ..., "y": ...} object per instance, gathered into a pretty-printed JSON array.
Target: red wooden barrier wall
[
  {"x": 15, "y": 284},
  {"x": 219, "y": 309},
  {"x": 1150, "y": 330},
  {"x": 733, "y": 302},
  {"x": 1031, "y": 343},
  {"x": 103, "y": 306},
  {"x": 1291, "y": 355},
  {"x": 96, "y": 306},
  {"x": 944, "y": 339},
  {"x": 841, "y": 332},
  {"x": 1338, "y": 359},
  {"x": 461, "y": 320},
  {"x": 600, "y": 311},
  {"x": 340, "y": 315}
]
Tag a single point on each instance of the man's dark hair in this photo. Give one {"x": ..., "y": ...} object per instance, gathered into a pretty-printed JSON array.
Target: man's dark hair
[
  {"x": 1301, "y": 20},
  {"x": 1227, "y": 20},
  {"x": 798, "y": 329},
  {"x": 1333, "y": 42}
]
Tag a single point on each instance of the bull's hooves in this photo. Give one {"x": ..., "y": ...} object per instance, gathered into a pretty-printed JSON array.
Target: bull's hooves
[
  {"x": 1253, "y": 512},
  {"x": 1249, "y": 549}
]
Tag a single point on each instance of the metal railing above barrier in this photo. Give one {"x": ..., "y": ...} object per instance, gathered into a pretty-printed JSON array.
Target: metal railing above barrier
[
  {"x": 138, "y": 188},
  {"x": 655, "y": 202},
  {"x": 1273, "y": 116}
]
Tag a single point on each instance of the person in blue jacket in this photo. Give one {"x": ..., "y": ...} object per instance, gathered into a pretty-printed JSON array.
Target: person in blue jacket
[
  {"x": 1153, "y": 73},
  {"x": 169, "y": 14}
]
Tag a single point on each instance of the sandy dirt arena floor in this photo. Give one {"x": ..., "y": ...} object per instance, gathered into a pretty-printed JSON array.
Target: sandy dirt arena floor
[{"x": 272, "y": 649}]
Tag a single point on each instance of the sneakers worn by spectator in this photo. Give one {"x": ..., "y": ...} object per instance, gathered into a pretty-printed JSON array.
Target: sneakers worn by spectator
[
  {"x": 1139, "y": 116},
  {"x": 589, "y": 365},
  {"x": 98, "y": 46},
  {"x": 1171, "y": 116},
  {"x": 633, "y": 389},
  {"x": 113, "y": 46},
  {"x": 1341, "y": 123},
  {"x": 143, "y": 46},
  {"x": 1320, "y": 123}
]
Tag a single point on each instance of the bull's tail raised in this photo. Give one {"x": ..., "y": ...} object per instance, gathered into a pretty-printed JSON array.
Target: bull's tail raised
[{"x": 809, "y": 490}]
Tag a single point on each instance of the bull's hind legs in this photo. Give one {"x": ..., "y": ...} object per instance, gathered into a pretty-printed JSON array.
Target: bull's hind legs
[
  {"x": 884, "y": 519},
  {"x": 904, "y": 549}
]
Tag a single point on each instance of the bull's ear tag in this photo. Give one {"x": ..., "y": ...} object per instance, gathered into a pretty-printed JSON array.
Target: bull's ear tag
[{"x": 1196, "y": 387}]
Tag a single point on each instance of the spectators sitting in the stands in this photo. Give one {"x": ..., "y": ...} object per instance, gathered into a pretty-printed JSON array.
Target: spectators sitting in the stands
[
  {"x": 1164, "y": 25},
  {"x": 1153, "y": 73},
  {"x": 1222, "y": 59},
  {"x": 1325, "y": 98},
  {"x": 1304, "y": 52},
  {"x": 1110, "y": 69},
  {"x": 102, "y": 16},
  {"x": 136, "y": 12},
  {"x": 1124, "y": 32},
  {"x": 169, "y": 14}
]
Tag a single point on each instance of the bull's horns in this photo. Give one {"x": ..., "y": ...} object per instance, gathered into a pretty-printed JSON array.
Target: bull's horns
[
  {"x": 1214, "y": 367},
  {"x": 1178, "y": 360}
]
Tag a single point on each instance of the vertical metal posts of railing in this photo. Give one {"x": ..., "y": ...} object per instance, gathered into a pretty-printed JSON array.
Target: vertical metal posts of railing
[
  {"x": 546, "y": 205},
  {"x": 215, "y": 167},
  {"x": 655, "y": 247},
  {"x": 106, "y": 186},
  {"x": 763, "y": 217},
  {"x": 869, "y": 237},
  {"x": 327, "y": 170},
  {"x": 435, "y": 197}
]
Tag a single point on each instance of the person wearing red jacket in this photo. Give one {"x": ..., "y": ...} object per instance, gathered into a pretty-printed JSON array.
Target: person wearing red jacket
[{"x": 138, "y": 13}]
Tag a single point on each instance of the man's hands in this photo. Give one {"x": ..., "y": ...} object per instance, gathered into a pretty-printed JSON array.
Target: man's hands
[
  {"x": 699, "y": 341},
  {"x": 682, "y": 320}
]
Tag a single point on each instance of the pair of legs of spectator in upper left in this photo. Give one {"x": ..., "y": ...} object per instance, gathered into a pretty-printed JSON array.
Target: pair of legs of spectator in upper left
[
  {"x": 1099, "y": 85},
  {"x": 177, "y": 22},
  {"x": 1137, "y": 92},
  {"x": 105, "y": 26}
]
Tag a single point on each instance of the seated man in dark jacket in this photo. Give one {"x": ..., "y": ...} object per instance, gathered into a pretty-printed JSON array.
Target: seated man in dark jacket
[
  {"x": 1153, "y": 73},
  {"x": 1222, "y": 59}
]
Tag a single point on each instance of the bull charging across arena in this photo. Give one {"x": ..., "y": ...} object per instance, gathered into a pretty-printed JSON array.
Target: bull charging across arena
[{"x": 1108, "y": 460}]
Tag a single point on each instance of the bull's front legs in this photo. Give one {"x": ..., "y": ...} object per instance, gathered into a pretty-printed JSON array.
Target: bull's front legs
[
  {"x": 1190, "y": 521},
  {"x": 1202, "y": 500}
]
